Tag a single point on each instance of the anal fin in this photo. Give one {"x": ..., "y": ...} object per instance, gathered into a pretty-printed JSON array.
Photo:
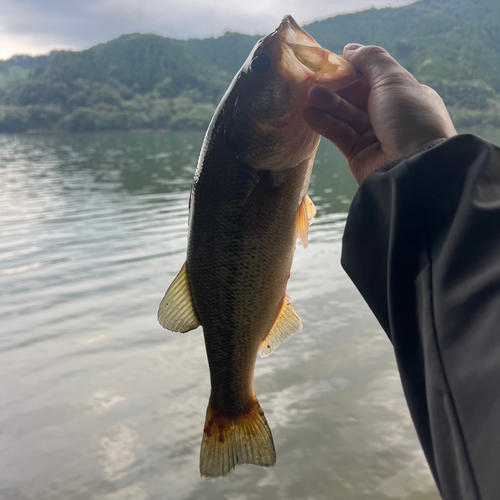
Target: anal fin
[
  {"x": 176, "y": 310},
  {"x": 307, "y": 212},
  {"x": 287, "y": 323}
]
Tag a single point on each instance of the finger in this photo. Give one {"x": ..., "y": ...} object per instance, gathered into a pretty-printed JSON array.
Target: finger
[
  {"x": 353, "y": 46},
  {"x": 365, "y": 141},
  {"x": 324, "y": 99},
  {"x": 357, "y": 93},
  {"x": 338, "y": 132},
  {"x": 374, "y": 62}
]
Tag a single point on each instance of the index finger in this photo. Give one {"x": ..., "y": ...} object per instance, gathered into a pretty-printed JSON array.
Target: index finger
[{"x": 357, "y": 94}]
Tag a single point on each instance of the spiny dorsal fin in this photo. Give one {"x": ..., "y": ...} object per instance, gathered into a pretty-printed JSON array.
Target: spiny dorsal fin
[
  {"x": 287, "y": 323},
  {"x": 306, "y": 214},
  {"x": 176, "y": 311}
]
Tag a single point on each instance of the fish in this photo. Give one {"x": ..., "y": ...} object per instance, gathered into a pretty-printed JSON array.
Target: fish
[{"x": 248, "y": 205}]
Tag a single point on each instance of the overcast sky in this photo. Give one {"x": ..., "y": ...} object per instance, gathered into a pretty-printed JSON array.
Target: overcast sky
[{"x": 38, "y": 26}]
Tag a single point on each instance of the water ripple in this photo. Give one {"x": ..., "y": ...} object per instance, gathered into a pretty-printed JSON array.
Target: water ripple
[{"x": 98, "y": 401}]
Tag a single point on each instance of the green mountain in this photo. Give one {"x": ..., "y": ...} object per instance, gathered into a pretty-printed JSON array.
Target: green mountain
[
  {"x": 26, "y": 62},
  {"x": 138, "y": 62},
  {"x": 134, "y": 81},
  {"x": 227, "y": 52},
  {"x": 148, "y": 81},
  {"x": 17, "y": 69}
]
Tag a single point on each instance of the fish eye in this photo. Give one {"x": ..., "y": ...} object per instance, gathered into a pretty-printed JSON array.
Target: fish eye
[{"x": 260, "y": 65}]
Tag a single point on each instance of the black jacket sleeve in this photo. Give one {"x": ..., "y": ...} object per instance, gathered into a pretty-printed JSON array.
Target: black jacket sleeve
[{"x": 422, "y": 245}]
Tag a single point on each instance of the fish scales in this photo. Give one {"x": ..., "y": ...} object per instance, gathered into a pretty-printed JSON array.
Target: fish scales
[
  {"x": 248, "y": 204},
  {"x": 243, "y": 274}
]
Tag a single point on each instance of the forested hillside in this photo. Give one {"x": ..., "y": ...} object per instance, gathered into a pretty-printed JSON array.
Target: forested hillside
[
  {"x": 148, "y": 81},
  {"x": 134, "y": 81}
]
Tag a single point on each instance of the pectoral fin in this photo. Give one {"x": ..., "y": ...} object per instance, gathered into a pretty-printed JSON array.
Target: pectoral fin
[
  {"x": 176, "y": 311},
  {"x": 307, "y": 212},
  {"x": 261, "y": 200},
  {"x": 287, "y": 323}
]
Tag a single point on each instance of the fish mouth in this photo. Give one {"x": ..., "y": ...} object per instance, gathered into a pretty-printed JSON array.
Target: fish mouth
[{"x": 303, "y": 59}]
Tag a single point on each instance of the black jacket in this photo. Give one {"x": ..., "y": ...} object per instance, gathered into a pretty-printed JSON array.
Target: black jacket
[{"x": 422, "y": 244}]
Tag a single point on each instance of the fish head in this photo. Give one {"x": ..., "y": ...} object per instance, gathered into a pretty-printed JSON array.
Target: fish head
[{"x": 264, "y": 106}]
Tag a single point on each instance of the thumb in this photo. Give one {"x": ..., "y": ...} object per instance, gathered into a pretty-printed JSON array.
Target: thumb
[{"x": 373, "y": 62}]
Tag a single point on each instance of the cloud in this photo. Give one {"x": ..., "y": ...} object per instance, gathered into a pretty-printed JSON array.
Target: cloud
[{"x": 36, "y": 26}]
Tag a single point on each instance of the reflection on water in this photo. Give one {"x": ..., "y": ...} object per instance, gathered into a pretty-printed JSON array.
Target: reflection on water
[{"x": 99, "y": 402}]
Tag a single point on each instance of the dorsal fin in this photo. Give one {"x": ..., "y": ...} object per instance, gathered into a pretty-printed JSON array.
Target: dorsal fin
[
  {"x": 287, "y": 323},
  {"x": 306, "y": 214},
  {"x": 176, "y": 310}
]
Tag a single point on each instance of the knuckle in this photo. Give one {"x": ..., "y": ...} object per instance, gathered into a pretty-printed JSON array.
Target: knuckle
[
  {"x": 335, "y": 103},
  {"x": 362, "y": 123},
  {"x": 345, "y": 136},
  {"x": 396, "y": 76},
  {"x": 429, "y": 93}
]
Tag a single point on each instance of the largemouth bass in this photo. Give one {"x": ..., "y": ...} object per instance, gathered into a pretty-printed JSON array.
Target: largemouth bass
[{"x": 248, "y": 205}]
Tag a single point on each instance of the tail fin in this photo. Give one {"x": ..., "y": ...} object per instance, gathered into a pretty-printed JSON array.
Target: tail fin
[{"x": 231, "y": 441}]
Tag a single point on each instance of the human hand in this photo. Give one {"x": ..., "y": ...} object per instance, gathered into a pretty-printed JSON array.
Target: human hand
[{"x": 385, "y": 115}]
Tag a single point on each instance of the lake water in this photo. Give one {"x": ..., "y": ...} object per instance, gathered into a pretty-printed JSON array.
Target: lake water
[{"x": 97, "y": 401}]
